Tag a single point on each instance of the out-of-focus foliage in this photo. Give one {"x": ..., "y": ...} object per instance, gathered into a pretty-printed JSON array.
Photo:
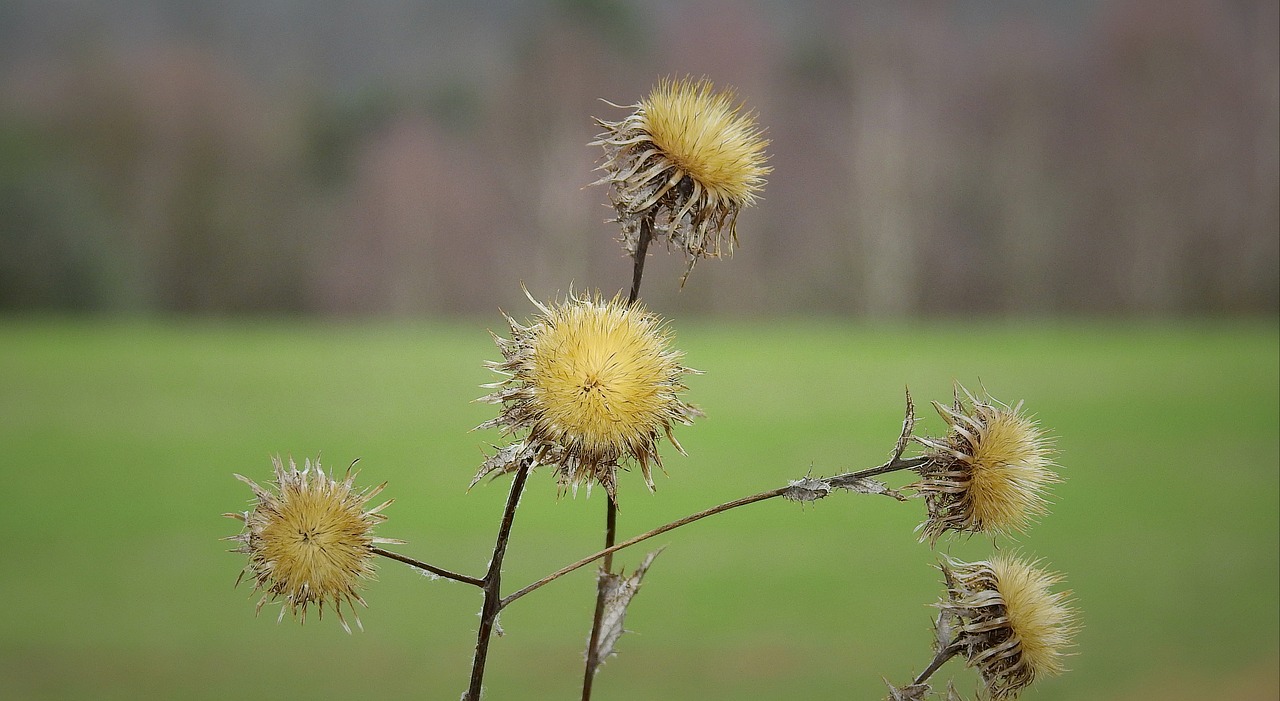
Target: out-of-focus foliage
[{"x": 407, "y": 158}]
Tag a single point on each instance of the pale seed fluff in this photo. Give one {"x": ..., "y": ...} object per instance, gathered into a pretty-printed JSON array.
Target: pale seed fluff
[
  {"x": 685, "y": 162},
  {"x": 309, "y": 539},
  {"x": 1008, "y": 621},
  {"x": 589, "y": 382},
  {"x": 989, "y": 474}
]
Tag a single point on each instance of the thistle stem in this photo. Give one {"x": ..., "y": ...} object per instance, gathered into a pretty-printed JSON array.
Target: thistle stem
[
  {"x": 492, "y": 585},
  {"x": 427, "y": 567},
  {"x": 891, "y": 466},
  {"x": 610, "y": 533},
  {"x": 610, "y": 536},
  {"x": 939, "y": 659},
  {"x": 897, "y": 464},
  {"x": 642, "y": 252}
]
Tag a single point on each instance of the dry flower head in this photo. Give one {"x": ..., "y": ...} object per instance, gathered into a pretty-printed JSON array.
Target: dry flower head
[
  {"x": 1007, "y": 621},
  {"x": 309, "y": 540},
  {"x": 989, "y": 474},
  {"x": 687, "y": 160},
  {"x": 592, "y": 382}
]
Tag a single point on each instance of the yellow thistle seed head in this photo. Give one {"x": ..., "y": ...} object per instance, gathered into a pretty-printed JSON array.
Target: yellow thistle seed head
[
  {"x": 686, "y": 160},
  {"x": 989, "y": 474},
  {"x": 592, "y": 382},
  {"x": 1008, "y": 622},
  {"x": 309, "y": 540}
]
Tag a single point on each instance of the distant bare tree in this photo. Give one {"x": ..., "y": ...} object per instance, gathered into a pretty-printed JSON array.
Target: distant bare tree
[{"x": 929, "y": 158}]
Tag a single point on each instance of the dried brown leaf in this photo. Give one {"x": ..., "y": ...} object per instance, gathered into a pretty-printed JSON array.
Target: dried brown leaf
[
  {"x": 618, "y": 592},
  {"x": 864, "y": 485},
  {"x": 505, "y": 461}
]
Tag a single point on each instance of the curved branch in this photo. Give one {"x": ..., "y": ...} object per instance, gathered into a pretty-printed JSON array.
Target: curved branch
[
  {"x": 841, "y": 481},
  {"x": 643, "y": 537}
]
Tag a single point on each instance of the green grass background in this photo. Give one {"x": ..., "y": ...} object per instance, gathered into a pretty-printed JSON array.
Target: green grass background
[{"x": 118, "y": 441}]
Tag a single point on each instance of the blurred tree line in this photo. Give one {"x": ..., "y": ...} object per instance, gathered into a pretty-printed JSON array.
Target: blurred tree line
[{"x": 424, "y": 158}]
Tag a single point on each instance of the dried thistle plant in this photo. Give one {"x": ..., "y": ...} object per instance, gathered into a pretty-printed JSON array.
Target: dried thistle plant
[
  {"x": 685, "y": 162},
  {"x": 310, "y": 540},
  {"x": 590, "y": 385},
  {"x": 591, "y": 382},
  {"x": 1007, "y": 621},
  {"x": 989, "y": 474}
]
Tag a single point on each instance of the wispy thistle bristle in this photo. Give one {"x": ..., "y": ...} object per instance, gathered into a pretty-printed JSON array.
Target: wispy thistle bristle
[
  {"x": 310, "y": 540},
  {"x": 1009, "y": 623},
  {"x": 989, "y": 474},
  {"x": 688, "y": 159},
  {"x": 592, "y": 382}
]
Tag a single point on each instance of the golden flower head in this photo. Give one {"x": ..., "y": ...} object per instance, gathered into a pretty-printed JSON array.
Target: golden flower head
[
  {"x": 592, "y": 382},
  {"x": 1004, "y": 617},
  {"x": 989, "y": 474},
  {"x": 310, "y": 540},
  {"x": 686, "y": 160}
]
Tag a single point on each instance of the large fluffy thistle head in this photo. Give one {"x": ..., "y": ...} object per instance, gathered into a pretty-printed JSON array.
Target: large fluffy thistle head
[
  {"x": 591, "y": 382},
  {"x": 686, "y": 161},
  {"x": 989, "y": 474},
  {"x": 1007, "y": 621},
  {"x": 310, "y": 540}
]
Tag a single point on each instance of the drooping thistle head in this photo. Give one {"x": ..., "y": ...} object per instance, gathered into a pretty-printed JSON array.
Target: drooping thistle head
[
  {"x": 687, "y": 160},
  {"x": 989, "y": 474},
  {"x": 310, "y": 539},
  {"x": 1004, "y": 617},
  {"x": 592, "y": 382}
]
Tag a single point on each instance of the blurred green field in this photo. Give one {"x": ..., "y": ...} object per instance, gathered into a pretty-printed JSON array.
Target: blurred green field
[{"x": 118, "y": 440}]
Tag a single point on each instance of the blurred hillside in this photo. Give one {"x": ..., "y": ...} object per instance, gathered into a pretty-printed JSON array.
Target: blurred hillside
[{"x": 407, "y": 157}]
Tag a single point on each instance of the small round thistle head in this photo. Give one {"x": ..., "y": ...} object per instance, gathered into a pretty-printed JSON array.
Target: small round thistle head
[
  {"x": 310, "y": 539},
  {"x": 1007, "y": 621},
  {"x": 687, "y": 160},
  {"x": 990, "y": 472},
  {"x": 592, "y": 382}
]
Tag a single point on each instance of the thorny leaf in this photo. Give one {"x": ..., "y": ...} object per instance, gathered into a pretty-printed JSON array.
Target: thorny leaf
[
  {"x": 504, "y": 461},
  {"x": 864, "y": 485},
  {"x": 908, "y": 427},
  {"x": 618, "y": 592},
  {"x": 807, "y": 489},
  {"x": 945, "y": 629}
]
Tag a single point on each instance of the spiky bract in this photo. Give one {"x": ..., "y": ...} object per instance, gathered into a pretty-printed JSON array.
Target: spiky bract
[
  {"x": 687, "y": 160},
  {"x": 592, "y": 382},
  {"x": 309, "y": 540},
  {"x": 989, "y": 474},
  {"x": 1007, "y": 621}
]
